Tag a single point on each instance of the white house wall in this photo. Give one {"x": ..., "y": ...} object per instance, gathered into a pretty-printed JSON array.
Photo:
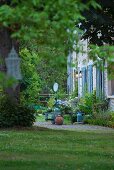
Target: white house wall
[
  {"x": 94, "y": 78},
  {"x": 71, "y": 60},
  {"x": 83, "y": 61},
  {"x": 106, "y": 88},
  {"x": 82, "y": 58}
]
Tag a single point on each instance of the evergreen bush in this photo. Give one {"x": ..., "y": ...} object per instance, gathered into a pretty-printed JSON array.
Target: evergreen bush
[{"x": 13, "y": 114}]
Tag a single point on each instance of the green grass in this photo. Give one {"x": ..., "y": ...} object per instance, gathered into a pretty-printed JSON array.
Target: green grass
[
  {"x": 42, "y": 149},
  {"x": 40, "y": 118}
]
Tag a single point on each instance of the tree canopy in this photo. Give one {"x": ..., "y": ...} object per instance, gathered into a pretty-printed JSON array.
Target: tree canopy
[
  {"x": 36, "y": 18},
  {"x": 47, "y": 22},
  {"x": 99, "y": 23}
]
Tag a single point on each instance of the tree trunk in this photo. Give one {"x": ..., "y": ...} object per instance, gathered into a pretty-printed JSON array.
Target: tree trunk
[{"x": 6, "y": 43}]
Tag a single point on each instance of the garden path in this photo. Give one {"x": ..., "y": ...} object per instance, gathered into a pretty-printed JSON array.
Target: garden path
[{"x": 77, "y": 127}]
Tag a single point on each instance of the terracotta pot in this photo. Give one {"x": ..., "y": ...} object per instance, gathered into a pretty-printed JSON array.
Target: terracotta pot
[{"x": 59, "y": 120}]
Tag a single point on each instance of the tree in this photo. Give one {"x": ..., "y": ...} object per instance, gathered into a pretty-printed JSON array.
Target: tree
[
  {"x": 34, "y": 19},
  {"x": 42, "y": 17},
  {"x": 98, "y": 25},
  {"x": 31, "y": 82},
  {"x": 53, "y": 62}
]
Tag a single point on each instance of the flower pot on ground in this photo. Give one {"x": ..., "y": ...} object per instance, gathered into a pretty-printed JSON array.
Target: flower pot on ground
[
  {"x": 59, "y": 120},
  {"x": 79, "y": 117}
]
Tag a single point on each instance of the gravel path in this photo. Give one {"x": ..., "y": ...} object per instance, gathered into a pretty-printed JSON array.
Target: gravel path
[{"x": 77, "y": 127}]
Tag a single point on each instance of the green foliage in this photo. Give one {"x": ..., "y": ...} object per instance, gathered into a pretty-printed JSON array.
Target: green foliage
[
  {"x": 85, "y": 104},
  {"x": 61, "y": 93},
  {"x": 13, "y": 114},
  {"x": 99, "y": 20},
  {"x": 100, "y": 105},
  {"x": 30, "y": 84},
  {"x": 40, "y": 71},
  {"x": 50, "y": 23},
  {"x": 102, "y": 118},
  {"x": 74, "y": 117},
  {"x": 112, "y": 115},
  {"x": 87, "y": 118},
  {"x": 67, "y": 119},
  {"x": 43, "y": 16},
  {"x": 66, "y": 109},
  {"x": 90, "y": 103},
  {"x": 51, "y": 103},
  {"x": 6, "y": 81},
  {"x": 100, "y": 54},
  {"x": 98, "y": 121},
  {"x": 52, "y": 67},
  {"x": 40, "y": 117}
]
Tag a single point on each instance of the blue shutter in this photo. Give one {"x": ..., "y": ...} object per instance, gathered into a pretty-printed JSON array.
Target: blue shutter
[
  {"x": 90, "y": 79},
  {"x": 99, "y": 82},
  {"x": 84, "y": 80}
]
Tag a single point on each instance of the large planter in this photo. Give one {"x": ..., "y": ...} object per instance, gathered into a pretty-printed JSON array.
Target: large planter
[
  {"x": 79, "y": 117},
  {"x": 59, "y": 120}
]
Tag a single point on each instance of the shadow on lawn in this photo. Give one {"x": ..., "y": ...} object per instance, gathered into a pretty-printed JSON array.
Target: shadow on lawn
[{"x": 33, "y": 128}]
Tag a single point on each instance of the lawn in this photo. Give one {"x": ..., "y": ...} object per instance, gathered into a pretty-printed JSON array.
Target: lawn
[{"x": 42, "y": 149}]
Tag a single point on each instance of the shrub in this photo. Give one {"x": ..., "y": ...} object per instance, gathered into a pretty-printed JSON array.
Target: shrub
[
  {"x": 111, "y": 122},
  {"x": 51, "y": 102},
  {"x": 85, "y": 104},
  {"x": 13, "y": 114},
  {"x": 67, "y": 119},
  {"x": 91, "y": 103},
  {"x": 99, "y": 122},
  {"x": 66, "y": 109},
  {"x": 87, "y": 118},
  {"x": 100, "y": 105},
  {"x": 74, "y": 117},
  {"x": 102, "y": 118}
]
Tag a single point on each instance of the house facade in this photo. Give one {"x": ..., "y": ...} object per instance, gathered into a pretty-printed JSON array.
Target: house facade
[
  {"x": 71, "y": 70},
  {"x": 87, "y": 76}
]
